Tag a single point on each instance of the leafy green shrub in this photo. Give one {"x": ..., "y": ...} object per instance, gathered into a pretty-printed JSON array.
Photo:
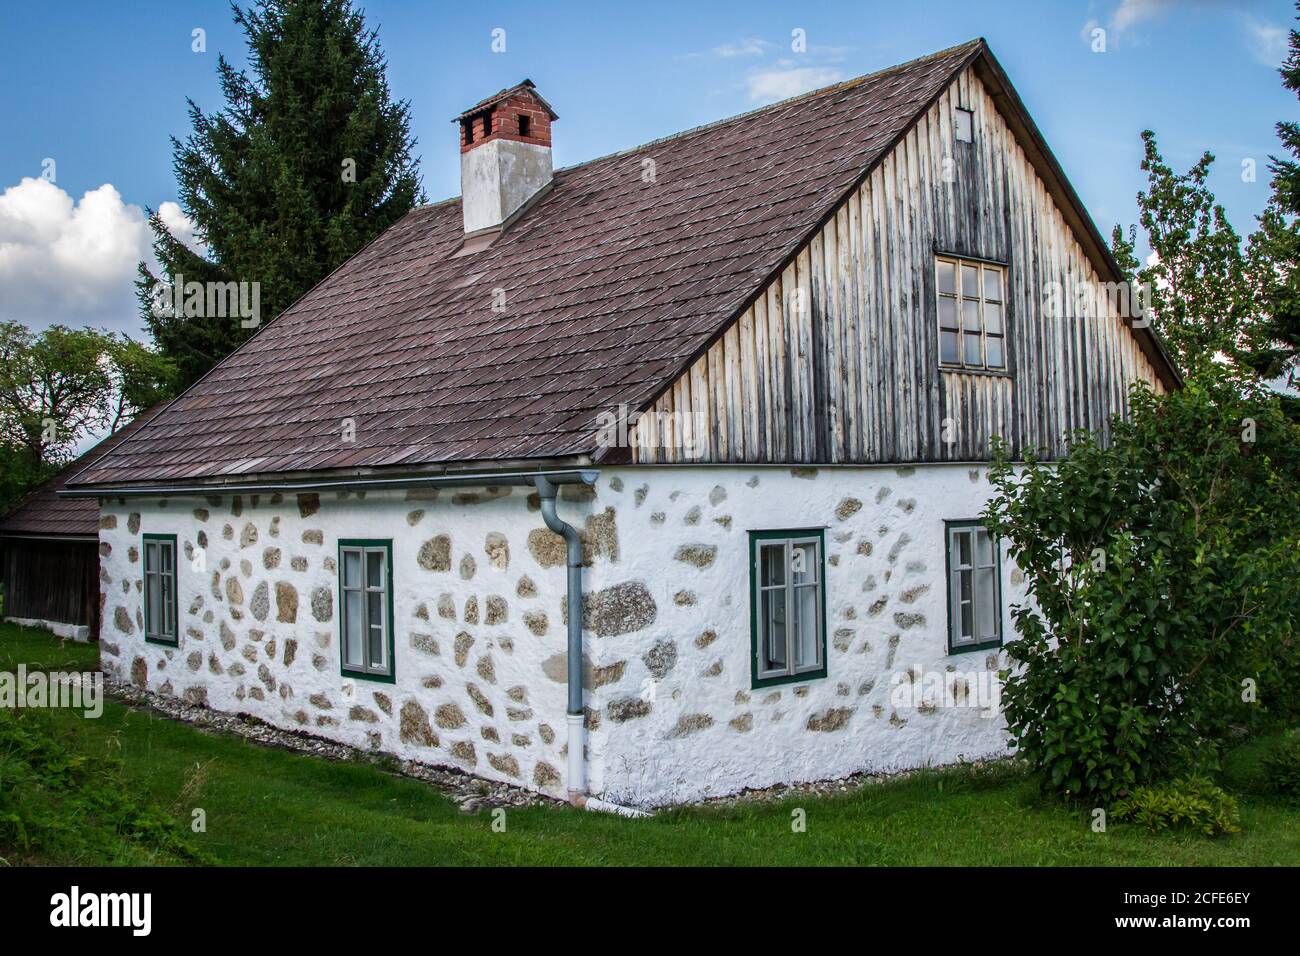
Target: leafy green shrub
[
  {"x": 1281, "y": 764},
  {"x": 1161, "y": 569},
  {"x": 61, "y": 804},
  {"x": 1190, "y": 803}
]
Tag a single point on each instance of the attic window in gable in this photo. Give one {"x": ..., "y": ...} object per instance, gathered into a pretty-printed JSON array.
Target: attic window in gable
[
  {"x": 963, "y": 125},
  {"x": 524, "y": 123}
]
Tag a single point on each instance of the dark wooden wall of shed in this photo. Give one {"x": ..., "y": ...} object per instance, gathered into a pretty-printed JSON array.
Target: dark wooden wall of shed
[
  {"x": 837, "y": 360},
  {"x": 51, "y": 580}
]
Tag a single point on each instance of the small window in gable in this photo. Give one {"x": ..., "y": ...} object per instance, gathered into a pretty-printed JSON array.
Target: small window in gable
[
  {"x": 971, "y": 301},
  {"x": 160, "y": 588},
  {"x": 788, "y": 606},
  {"x": 963, "y": 129},
  {"x": 974, "y": 588},
  {"x": 366, "y": 609},
  {"x": 524, "y": 124}
]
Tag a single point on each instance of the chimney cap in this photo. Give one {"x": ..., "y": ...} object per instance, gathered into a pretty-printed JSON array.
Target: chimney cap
[{"x": 525, "y": 87}]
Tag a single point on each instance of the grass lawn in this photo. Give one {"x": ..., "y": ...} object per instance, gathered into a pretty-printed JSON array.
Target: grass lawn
[
  {"x": 270, "y": 807},
  {"x": 41, "y": 650}
]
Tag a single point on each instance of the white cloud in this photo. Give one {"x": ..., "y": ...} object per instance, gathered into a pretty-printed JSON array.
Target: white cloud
[
  {"x": 786, "y": 80},
  {"x": 74, "y": 262},
  {"x": 1268, "y": 42},
  {"x": 750, "y": 46},
  {"x": 1126, "y": 15}
]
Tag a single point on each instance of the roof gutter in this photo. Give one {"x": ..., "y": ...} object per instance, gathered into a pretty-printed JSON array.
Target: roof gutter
[{"x": 566, "y": 476}]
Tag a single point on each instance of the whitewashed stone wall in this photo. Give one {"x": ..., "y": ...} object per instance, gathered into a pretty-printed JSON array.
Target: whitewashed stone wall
[
  {"x": 478, "y": 588},
  {"x": 683, "y": 536}
]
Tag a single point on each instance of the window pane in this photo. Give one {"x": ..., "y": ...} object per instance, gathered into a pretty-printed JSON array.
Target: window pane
[
  {"x": 992, "y": 317},
  {"x": 805, "y": 623},
  {"x": 168, "y": 585},
  {"x": 983, "y": 548},
  {"x": 772, "y": 564},
  {"x": 947, "y": 279},
  {"x": 973, "y": 349},
  {"x": 970, "y": 283},
  {"x": 993, "y": 284},
  {"x": 948, "y": 347},
  {"x": 773, "y": 653},
  {"x": 803, "y": 563},
  {"x": 962, "y": 559},
  {"x": 993, "y": 348},
  {"x": 153, "y": 584},
  {"x": 374, "y": 569},
  {"x": 352, "y": 628},
  {"x": 964, "y": 588},
  {"x": 970, "y": 315},
  {"x": 984, "y": 603},
  {"x": 947, "y": 313},
  {"x": 151, "y": 556},
  {"x": 351, "y": 569},
  {"x": 166, "y": 555}
]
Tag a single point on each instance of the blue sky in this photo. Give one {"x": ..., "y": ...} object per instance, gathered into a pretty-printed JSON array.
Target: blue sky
[{"x": 99, "y": 87}]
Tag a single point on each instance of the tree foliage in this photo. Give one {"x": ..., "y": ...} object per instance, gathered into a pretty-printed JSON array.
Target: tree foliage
[
  {"x": 308, "y": 161},
  {"x": 1161, "y": 573}
]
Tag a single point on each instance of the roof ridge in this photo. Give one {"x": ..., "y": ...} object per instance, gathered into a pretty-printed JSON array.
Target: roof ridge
[{"x": 757, "y": 111}]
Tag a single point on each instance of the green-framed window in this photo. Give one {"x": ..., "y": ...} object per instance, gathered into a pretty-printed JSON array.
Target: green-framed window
[
  {"x": 366, "y": 609},
  {"x": 787, "y": 585},
  {"x": 974, "y": 587},
  {"x": 160, "y": 588}
]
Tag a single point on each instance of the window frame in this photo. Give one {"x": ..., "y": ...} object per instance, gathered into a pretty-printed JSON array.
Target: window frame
[
  {"x": 958, "y": 298},
  {"x": 791, "y": 537},
  {"x": 151, "y": 636},
  {"x": 364, "y": 546},
  {"x": 950, "y": 528}
]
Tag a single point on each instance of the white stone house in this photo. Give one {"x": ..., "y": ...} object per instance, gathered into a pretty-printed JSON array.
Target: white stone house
[{"x": 749, "y": 373}]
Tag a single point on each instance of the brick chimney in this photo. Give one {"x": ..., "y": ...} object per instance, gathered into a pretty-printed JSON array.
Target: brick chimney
[{"x": 505, "y": 155}]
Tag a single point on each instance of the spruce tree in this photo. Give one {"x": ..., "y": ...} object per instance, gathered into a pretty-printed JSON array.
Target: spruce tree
[{"x": 308, "y": 161}]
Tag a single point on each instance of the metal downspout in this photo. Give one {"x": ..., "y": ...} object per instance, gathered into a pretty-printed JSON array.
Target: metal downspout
[{"x": 577, "y": 744}]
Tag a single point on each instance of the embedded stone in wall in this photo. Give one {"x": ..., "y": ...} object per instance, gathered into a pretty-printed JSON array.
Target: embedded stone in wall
[
  {"x": 689, "y": 724},
  {"x": 467, "y": 567},
  {"x": 594, "y": 677},
  {"x": 692, "y": 516},
  {"x": 526, "y": 588},
  {"x": 413, "y": 517},
  {"x": 497, "y": 549},
  {"x": 835, "y": 719},
  {"x": 471, "y": 609},
  {"x": 234, "y": 590},
  {"x": 363, "y": 714},
  {"x": 486, "y": 669},
  {"x": 620, "y": 609},
  {"x": 313, "y": 536},
  {"x": 286, "y": 602},
  {"x": 911, "y": 594},
  {"x": 414, "y": 726},
  {"x": 194, "y": 660},
  {"x": 424, "y": 642},
  {"x": 847, "y": 508},
  {"x": 700, "y": 555},
  {"x": 270, "y": 558},
  {"x": 449, "y": 717},
  {"x": 446, "y": 607},
  {"x": 435, "y": 554},
  {"x": 322, "y": 603},
  {"x": 108, "y": 522},
  {"x": 627, "y": 708},
  {"x": 432, "y": 682},
  {"x": 497, "y": 610},
  {"x": 308, "y": 505},
  {"x": 227, "y": 636},
  {"x": 140, "y": 672},
  {"x": 903, "y": 541},
  {"x": 717, "y": 495},
  {"x": 547, "y": 733},
  {"x": 480, "y": 700},
  {"x": 320, "y": 701},
  {"x": 504, "y": 763},
  {"x": 259, "y": 605},
  {"x": 742, "y": 724},
  {"x": 908, "y": 621},
  {"x": 266, "y": 677},
  {"x": 133, "y": 522},
  {"x": 248, "y": 535},
  {"x": 545, "y": 777},
  {"x": 705, "y": 639},
  {"x": 105, "y": 549},
  {"x": 713, "y": 670},
  {"x": 685, "y": 599},
  {"x": 463, "y": 751},
  {"x": 383, "y": 702},
  {"x": 660, "y": 659},
  {"x": 290, "y": 652},
  {"x": 122, "y": 620},
  {"x": 556, "y": 668},
  {"x": 463, "y": 643},
  {"x": 536, "y": 621},
  {"x": 197, "y": 696},
  {"x": 490, "y": 733}
]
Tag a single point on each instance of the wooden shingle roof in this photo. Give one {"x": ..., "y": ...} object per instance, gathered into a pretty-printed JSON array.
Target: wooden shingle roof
[{"x": 607, "y": 288}]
